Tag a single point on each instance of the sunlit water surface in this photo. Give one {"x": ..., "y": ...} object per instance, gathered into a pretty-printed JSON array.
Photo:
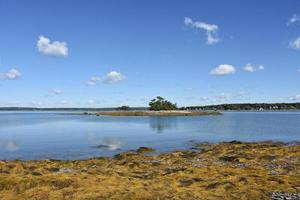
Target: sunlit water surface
[{"x": 44, "y": 135}]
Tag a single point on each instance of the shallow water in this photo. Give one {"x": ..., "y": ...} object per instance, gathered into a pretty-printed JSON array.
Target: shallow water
[{"x": 45, "y": 135}]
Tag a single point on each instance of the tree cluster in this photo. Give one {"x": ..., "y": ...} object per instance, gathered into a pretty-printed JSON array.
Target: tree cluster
[
  {"x": 160, "y": 103},
  {"x": 124, "y": 108},
  {"x": 248, "y": 106}
]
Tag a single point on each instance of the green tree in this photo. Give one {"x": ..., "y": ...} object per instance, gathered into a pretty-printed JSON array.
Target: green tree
[
  {"x": 159, "y": 103},
  {"x": 125, "y": 108}
]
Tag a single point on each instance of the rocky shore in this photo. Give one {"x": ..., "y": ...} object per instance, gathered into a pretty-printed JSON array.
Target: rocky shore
[{"x": 232, "y": 170}]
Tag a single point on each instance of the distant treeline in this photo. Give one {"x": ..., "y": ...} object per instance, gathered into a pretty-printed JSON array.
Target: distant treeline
[
  {"x": 64, "y": 109},
  {"x": 238, "y": 106},
  {"x": 248, "y": 106}
]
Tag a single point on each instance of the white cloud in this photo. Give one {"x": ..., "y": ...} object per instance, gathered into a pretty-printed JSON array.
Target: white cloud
[
  {"x": 261, "y": 67},
  {"x": 110, "y": 78},
  {"x": 295, "y": 18},
  {"x": 251, "y": 68},
  {"x": 12, "y": 74},
  {"x": 223, "y": 69},
  {"x": 113, "y": 77},
  {"x": 57, "y": 91},
  {"x": 211, "y": 29},
  {"x": 295, "y": 44},
  {"x": 93, "y": 80},
  {"x": 55, "y": 48},
  {"x": 295, "y": 98}
]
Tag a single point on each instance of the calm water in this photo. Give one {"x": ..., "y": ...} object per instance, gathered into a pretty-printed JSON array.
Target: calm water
[{"x": 51, "y": 135}]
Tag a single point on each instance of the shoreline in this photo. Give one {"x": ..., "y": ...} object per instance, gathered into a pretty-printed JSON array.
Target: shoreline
[
  {"x": 228, "y": 170},
  {"x": 153, "y": 113}
]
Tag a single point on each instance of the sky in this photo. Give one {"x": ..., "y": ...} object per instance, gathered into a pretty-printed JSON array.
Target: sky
[{"x": 63, "y": 53}]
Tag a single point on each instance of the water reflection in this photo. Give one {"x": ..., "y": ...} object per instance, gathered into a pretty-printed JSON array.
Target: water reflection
[
  {"x": 81, "y": 137},
  {"x": 161, "y": 123},
  {"x": 10, "y": 146},
  {"x": 107, "y": 143}
]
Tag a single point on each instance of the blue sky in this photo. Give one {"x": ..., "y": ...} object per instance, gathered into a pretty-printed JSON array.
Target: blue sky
[{"x": 111, "y": 53}]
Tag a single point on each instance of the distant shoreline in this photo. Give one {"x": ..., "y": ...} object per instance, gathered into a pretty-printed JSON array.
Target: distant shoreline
[
  {"x": 153, "y": 113},
  {"x": 206, "y": 108}
]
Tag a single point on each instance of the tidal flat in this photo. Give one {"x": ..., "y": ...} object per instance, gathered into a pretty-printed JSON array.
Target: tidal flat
[{"x": 228, "y": 170}]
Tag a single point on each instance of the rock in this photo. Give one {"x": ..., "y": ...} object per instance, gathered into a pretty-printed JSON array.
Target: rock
[
  {"x": 229, "y": 158},
  {"x": 84, "y": 169},
  {"x": 171, "y": 170},
  {"x": 155, "y": 162},
  {"x": 243, "y": 180},
  {"x": 285, "y": 196},
  {"x": 144, "y": 150},
  {"x": 225, "y": 184},
  {"x": 66, "y": 170},
  {"x": 53, "y": 169},
  {"x": 34, "y": 173},
  {"x": 189, "y": 154},
  {"x": 177, "y": 154},
  {"x": 189, "y": 181},
  {"x": 235, "y": 142},
  {"x": 186, "y": 182},
  {"x": 241, "y": 165},
  {"x": 268, "y": 157}
]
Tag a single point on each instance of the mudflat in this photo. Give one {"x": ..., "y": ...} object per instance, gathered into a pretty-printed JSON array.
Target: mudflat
[{"x": 231, "y": 170}]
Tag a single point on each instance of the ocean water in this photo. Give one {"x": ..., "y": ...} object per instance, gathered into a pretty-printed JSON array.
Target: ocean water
[{"x": 50, "y": 135}]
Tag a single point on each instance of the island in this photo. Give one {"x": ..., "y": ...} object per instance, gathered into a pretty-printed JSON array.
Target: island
[
  {"x": 154, "y": 113},
  {"x": 157, "y": 107}
]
